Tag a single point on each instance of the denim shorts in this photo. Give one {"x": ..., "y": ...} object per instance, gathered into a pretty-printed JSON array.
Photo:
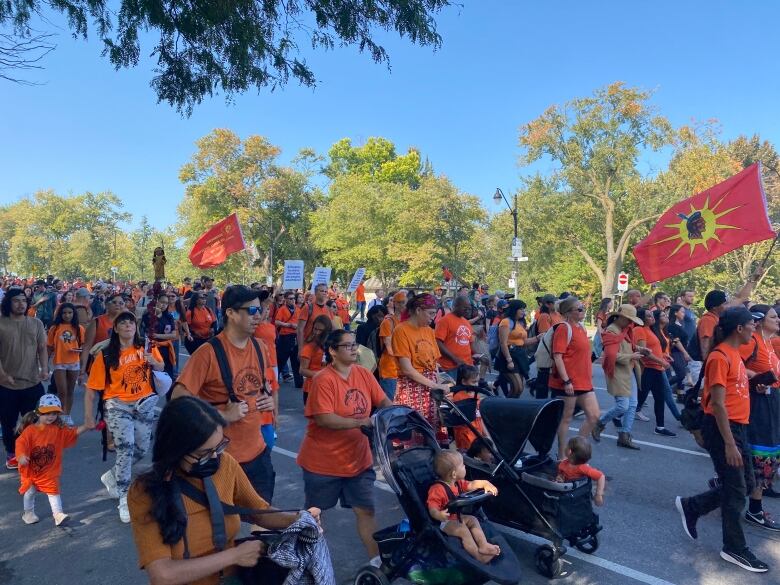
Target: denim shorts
[{"x": 325, "y": 491}]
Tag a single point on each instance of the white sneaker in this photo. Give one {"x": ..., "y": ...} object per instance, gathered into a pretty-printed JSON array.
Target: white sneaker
[
  {"x": 124, "y": 511},
  {"x": 109, "y": 481},
  {"x": 29, "y": 517},
  {"x": 59, "y": 518},
  {"x": 641, "y": 416}
]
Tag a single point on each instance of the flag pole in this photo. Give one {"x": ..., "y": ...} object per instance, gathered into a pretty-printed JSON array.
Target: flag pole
[{"x": 769, "y": 252}]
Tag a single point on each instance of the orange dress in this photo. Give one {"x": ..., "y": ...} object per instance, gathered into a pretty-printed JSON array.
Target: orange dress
[{"x": 43, "y": 445}]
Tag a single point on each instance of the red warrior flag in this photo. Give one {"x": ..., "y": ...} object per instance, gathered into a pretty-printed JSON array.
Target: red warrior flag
[
  {"x": 220, "y": 241},
  {"x": 711, "y": 223}
]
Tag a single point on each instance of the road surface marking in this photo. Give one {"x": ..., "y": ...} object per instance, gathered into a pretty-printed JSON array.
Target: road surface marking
[{"x": 657, "y": 445}]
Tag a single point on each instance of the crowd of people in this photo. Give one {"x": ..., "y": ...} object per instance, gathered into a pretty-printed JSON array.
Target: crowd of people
[{"x": 220, "y": 417}]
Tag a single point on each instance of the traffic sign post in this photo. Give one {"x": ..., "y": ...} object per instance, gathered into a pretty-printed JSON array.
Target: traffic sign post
[{"x": 622, "y": 282}]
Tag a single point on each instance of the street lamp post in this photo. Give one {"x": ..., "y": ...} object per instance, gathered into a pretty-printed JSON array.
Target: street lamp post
[{"x": 517, "y": 247}]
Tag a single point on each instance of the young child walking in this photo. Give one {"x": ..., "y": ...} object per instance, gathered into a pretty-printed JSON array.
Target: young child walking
[
  {"x": 575, "y": 466},
  {"x": 42, "y": 437},
  {"x": 467, "y": 388},
  {"x": 451, "y": 472}
]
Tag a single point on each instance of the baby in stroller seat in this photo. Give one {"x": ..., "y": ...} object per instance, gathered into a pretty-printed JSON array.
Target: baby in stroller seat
[
  {"x": 575, "y": 466},
  {"x": 451, "y": 471}
]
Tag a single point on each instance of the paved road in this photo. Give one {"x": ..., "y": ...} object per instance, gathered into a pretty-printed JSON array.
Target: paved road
[{"x": 642, "y": 541}]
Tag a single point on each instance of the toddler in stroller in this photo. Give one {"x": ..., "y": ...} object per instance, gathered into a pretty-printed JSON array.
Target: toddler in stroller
[
  {"x": 466, "y": 394},
  {"x": 575, "y": 466},
  {"x": 451, "y": 472}
]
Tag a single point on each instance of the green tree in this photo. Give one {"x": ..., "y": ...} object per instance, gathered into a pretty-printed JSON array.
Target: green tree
[
  {"x": 596, "y": 143},
  {"x": 376, "y": 161},
  {"x": 205, "y": 47}
]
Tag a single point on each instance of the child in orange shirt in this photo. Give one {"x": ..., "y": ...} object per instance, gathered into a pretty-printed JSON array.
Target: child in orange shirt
[
  {"x": 467, "y": 388},
  {"x": 64, "y": 343},
  {"x": 575, "y": 466},
  {"x": 42, "y": 438},
  {"x": 451, "y": 472}
]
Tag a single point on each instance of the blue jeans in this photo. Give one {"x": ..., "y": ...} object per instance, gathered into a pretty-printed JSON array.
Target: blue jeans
[
  {"x": 625, "y": 408},
  {"x": 389, "y": 385}
]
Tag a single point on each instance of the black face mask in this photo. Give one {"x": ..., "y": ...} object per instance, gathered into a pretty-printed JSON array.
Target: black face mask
[{"x": 203, "y": 470}]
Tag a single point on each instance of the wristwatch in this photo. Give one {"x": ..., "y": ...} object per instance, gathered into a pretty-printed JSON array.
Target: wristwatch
[{"x": 565, "y": 382}]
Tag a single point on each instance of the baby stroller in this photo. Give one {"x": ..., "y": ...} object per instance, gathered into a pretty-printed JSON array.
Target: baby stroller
[
  {"x": 417, "y": 550},
  {"x": 529, "y": 499}
]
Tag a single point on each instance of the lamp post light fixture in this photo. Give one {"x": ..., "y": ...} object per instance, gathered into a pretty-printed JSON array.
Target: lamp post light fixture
[{"x": 517, "y": 244}]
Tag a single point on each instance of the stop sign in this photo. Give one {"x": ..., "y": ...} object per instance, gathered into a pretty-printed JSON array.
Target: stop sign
[{"x": 622, "y": 281}]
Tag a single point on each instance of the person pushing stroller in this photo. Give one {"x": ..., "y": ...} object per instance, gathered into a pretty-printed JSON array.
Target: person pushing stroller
[{"x": 451, "y": 471}]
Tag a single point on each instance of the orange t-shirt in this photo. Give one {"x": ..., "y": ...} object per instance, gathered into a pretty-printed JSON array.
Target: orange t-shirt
[
  {"x": 455, "y": 333},
  {"x": 776, "y": 344},
  {"x": 200, "y": 320},
  {"x": 388, "y": 364},
  {"x": 464, "y": 436},
  {"x": 342, "y": 453},
  {"x": 438, "y": 499},
  {"x": 232, "y": 487},
  {"x": 316, "y": 311},
  {"x": 285, "y": 315},
  {"x": 653, "y": 344},
  {"x": 316, "y": 357},
  {"x": 360, "y": 293},
  {"x": 267, "y": 333},
  {"x": 546, "y": 320},
  {"x": 518, "y": 335},
  {"x": 418, "y": 344},
  {"x": 202, "y": 378},
  {"x": 724, "y": 367},
  {"x": 576, "y": 358},
  {"x": 766, "y": 359},
  {"x": 103, "y": 326},
  {"x": 63, "y": 339},
  {"x": 570, "y": 471},
  {"x": 130, "y": 381},
  {"x": 43, "y": 445},
  {"x": 707, "y": 325}
]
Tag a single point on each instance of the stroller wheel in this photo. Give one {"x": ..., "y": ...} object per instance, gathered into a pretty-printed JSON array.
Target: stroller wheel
[
  {"x": 370, "y": 575},
  {"x": 588, "y": 545},
  {"x": 547, "y": 561}
]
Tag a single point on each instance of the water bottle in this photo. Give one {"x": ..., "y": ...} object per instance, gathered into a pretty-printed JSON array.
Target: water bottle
[{"x": 404, "y": 526}]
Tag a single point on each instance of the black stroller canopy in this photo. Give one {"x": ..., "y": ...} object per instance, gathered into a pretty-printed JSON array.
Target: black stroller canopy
[{"x": 512, "y": 423}]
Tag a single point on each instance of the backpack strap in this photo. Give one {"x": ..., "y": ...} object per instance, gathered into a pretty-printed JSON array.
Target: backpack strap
[
  {"x": 224, "y": 367},
  {"x": 104, "y": 351},
  {"x": 260, "y": 363},
  {"x": 200, "y": 497}
]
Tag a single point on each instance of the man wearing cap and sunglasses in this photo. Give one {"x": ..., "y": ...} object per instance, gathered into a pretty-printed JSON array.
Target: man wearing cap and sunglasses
[{"x": 231, "y": 372}]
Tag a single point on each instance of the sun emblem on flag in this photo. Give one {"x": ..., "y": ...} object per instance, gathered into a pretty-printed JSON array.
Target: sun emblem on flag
[{"x": 699, "y": 226}]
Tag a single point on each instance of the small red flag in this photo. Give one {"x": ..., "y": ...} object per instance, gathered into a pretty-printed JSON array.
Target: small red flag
[
  {"x": 220, "y": 241},
  {"x": 711, "y": 223}
]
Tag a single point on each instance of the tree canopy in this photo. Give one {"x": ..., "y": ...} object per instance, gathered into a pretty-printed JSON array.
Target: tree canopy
[{"x": 206, "y": 47}]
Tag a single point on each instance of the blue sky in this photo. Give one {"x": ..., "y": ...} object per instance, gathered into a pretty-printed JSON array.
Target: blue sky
[{"x": 502, "y": 63}]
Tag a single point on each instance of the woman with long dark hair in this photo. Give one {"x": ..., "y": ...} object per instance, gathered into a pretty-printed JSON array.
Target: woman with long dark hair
[
  {"x": 512, "y": 360},
  {"x": 654, "y": 378},
  {"x": 201, "y": 321},
  {"x": 64, "y": 342},
  {"x": 123, "y": 372},
  {"x": 312, "y": 358},
  {"x": 173, "y": 534},
  {"x": 679, "y": 339}
]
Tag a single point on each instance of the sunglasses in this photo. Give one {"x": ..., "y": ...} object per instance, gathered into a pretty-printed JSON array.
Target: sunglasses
[
  {"x": 218, "y": 450},
  {"x": 251, "y": 311},
  {"x": 349, "y": 346}
]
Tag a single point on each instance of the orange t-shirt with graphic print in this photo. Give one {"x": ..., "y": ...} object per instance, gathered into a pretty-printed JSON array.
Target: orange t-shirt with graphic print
[
  {"x": 202, "y": 378},
  {"x": 418, "y": 344},
  {"x": 316, "y": 356},
  {"x": 766, "y": 359},
  {"x": 130, "y": 381},
  {"x": 340, "y": 453},
  {"x": 43, "y": 445},
  {"x": 576, "y": 358},
  {"x": 388, "y": 364},
  {"x": 64, "y": 343},
  {"x": 725, "y": 368},
  {"x": 455, "y": 333}
]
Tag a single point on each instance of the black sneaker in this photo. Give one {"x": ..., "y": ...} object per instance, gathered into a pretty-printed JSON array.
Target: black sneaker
[
  {"x": 745, "y": 559},
  {"x": 714, "y": 483},
  {"x": 688, "y": 518},
  {"x": 762, "y": 519},
  {"x": 663, "y": 431},
  {"x": 771, "y": 493}
]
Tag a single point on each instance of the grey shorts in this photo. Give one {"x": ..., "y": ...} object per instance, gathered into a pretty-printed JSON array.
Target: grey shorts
[{"x": 325, "y": 491}]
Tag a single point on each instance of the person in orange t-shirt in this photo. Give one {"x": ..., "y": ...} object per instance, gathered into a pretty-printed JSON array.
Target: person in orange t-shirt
[
  {"x": 39, "y": 447},
  {"x": 252, "y": 387},
  {"x": 548, "y": 315},
  {"x": 388, "y": 363},
  {"x": 575, "y": 466},
  {"x": 286, "y": 320},
  {"x": 335, "y": 455},
  {"x": 265, "y": 333},
  {"x": 310, "y": 311},
  {"x": 415, "y": 347},
  {"x": 123, "y": 372},
  {"x": 313, "y": 353},
  {"x": 360, "y": 302},
  {"x": 726, "y": 403},
  {"x": 454, "y": 336},
  {"x": 201, "y": 320},
  {"x": 64, "y": 342}
]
